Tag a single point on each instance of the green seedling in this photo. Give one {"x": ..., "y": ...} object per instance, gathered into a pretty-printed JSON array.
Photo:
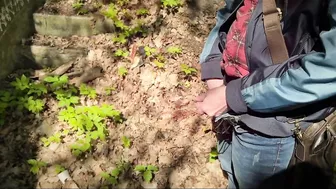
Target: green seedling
[
  {"x": 126, "y": 141},
  {"x": 121, "y": 38},
  {"x": 81, "y": 146},
  {"x": 34, "y": 105},
  {"x": 213, "y": 156},
  {"x": 56, "y": 81},
  {"x": 149, "y": 51},
  {"x": 174, "y": 50},
  {"x": 112, "y": 177},
  {"x": 65, "y": 132},
  {"x": 35, "y": 165},
  {"x": 21, "y": 83},
  {"x": 63, "y": 102},
  {"x": 59, "y": 169},
  {"x": 77, "y": 5},
  {"x": 111, "y": 12},
  {"x": 142, "y": 12},
  {"x": 122, "y": 71},
  {"x": 56, "y": 138},
  {"x": 121, "y": 53},
  {"x": 188, "y": 70},
  {"x": 171, "y": 3},
  {"x": 159, "y": 64},
  {"x": 147, "y": 171},
  {"x": 87, "y": 91},
  {"x": 37, "y": 89},
  {"x": 121, "y": 25}
]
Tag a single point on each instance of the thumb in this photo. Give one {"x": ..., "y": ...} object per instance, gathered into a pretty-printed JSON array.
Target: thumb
[{"x": 200, "y": 98}]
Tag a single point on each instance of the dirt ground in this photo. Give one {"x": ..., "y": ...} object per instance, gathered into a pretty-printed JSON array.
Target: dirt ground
[{"x": 157, "y": 104}]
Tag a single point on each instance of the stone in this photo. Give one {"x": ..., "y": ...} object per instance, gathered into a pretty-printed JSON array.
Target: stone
[
  {"x": 65, "y": 26},
  {"x": 52, "y": 57}
]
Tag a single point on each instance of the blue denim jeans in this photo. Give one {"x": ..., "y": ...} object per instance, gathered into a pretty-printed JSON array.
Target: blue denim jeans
[{"x": 249, "y": 158}]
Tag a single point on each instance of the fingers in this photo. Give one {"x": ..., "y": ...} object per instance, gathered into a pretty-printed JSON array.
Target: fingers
[{"x": 200, "y": 98}]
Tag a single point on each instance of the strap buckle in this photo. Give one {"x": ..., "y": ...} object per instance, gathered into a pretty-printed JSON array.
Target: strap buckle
[{"x": 297, "y": 128}]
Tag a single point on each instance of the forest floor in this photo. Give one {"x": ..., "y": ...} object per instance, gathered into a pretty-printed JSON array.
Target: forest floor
[{"x": 146, "y": 114}]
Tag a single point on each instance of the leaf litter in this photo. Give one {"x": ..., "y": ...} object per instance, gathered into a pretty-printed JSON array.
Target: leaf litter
[{"x": 160, "y": 123}]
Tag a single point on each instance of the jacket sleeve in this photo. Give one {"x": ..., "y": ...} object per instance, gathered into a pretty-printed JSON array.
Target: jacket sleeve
[
  {"x": 300, "y": 81},
  {"x": 211, "y": 55}
]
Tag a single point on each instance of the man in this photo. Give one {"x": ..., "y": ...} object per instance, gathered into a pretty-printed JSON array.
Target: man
[{"x": 264, "y": 98}]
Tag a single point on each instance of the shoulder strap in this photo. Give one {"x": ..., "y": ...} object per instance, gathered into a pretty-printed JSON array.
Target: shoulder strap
[{"x": 275, "y": 39}]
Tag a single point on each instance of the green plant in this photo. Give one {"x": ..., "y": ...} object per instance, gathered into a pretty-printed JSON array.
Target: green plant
[
  {"x": 188, "y": 70},
  {"x": 111, "y": 12},
  {"x": 171, "y": 3},
  {"x": 89, "y": 121},
  {"x": 37, "y": 88},
  {"x": 121, "y": 38},
  {"x": 59, "y": 169},
  {"x": 56, "y": 138},
  {"x": 149, "y": 51},
  {"x": 159, "y": 64},
  {"x": 87, "y": 91},
  {"x": 77, "y": 5},
  {"x": 126, "y": 141},
  {"x": 21, "y": 83},
  {"x": 35, "y": 165},
  {"x": 57, "y": 81},
  {"x": 63, "y": 101},
  {"x": 147, "y": 171},
  {"x": 142, "y": 12},
  {"x": 81, "y": 146},
  {"x": 122, "y": 71},
  {"x": 174, "y": 50},
  {"x": 113, "y": 176},
  {"x": 121, "y": 53},
  {"x": 34, "y": 105},
  {"x": 213, "y": 156}
]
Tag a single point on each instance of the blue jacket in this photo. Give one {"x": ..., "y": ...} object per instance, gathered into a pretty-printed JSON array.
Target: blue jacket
[{"x": 272, "y": 95}]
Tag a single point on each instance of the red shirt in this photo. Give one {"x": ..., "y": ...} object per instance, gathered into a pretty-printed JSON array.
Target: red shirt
[{"x": 234, "y": 59}]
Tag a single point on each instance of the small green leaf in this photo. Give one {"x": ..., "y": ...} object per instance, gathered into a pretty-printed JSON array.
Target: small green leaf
[
  {"x": 149, "y": 51},
  {"x": 148, "y": 176},
  {"x": 122, "y": 71},
  {"x": 105, "y": 175},
  {"x": 159, "y": 64},
  {"x": 34, "y": 169},
  {"x": 112, "y": 180},
  {"x": 115, "y": 172},
  {"x": 140, "y": 168},
  {"x": 59, "y": 169},
  {"x": 152, "y": 168},
  {"x": 126, "y": 141},
  {"x": 32, "y": 162},
  {"x": 174, "y": 50}
]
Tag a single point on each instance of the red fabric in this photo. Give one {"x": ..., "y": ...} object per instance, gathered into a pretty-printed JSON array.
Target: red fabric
[{"x": 234, "y": 59}]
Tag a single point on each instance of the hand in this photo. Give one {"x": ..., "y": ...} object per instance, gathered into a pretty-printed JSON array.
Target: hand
[
  {"x": 213, "y": 102},
  {"x": 214, "y": 83}
]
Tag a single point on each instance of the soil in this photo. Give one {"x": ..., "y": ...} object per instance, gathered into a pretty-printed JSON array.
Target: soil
[{"x": 160, "y": 116}]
